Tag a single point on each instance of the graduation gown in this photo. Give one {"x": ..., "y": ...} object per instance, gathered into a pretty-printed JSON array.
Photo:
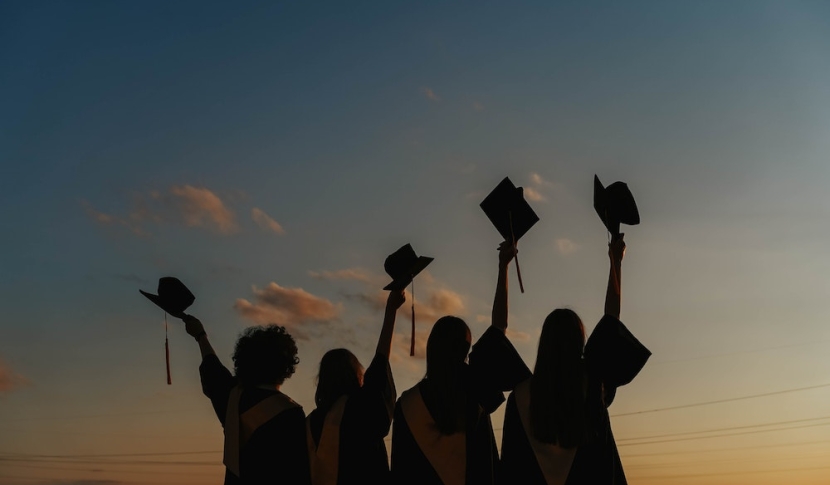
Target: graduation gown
[
  {"x": 469, "y": 458},
  {"x": 362, "y": 422},
  {"x": 613, "y": 357},
  {"x": 275, "y": 453}
]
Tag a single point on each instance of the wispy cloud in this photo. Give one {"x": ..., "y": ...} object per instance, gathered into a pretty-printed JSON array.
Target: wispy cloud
[
  {"x": 181, "y": 204},
  {"x": 355, "y": 274},
  {"x": 432, "y": 301},
  {"x": 538, "y": 188},
  {"x": 199, "y": 207},
  {"x": 566, "y": 246},
  {"x": 533, "y": 194},
  {"x": 265, "y": 222},
  {"x": 478, "y": 106},
  {"x": 429, "y": 94},
  {"x": 105, "y": 219},
  {"x": 10, "y": 380},
  {"x": 291, "y": 307},
  {"x": 517, "y": 335}
]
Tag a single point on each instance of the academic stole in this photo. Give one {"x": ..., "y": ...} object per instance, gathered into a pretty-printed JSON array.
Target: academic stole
[
  {"x": 446, "y": 453},
  {"x": 325, "y": 458},
  {"x": 554, "y": 461},
  {"x": 238, "y": 429}
]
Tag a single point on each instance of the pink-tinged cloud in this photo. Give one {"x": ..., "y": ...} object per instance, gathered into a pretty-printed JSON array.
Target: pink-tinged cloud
[
  {"x": 111, "y": 220},
  {"x": 534, "y": 195},
  {"x": 517, "y": 336},
  {"x": 291, "y": 307},
  {"x": 355, "y": 274},
  {"x": 199, "y": 207},
  {"x": 265, "y": 222},
  {"x": 429, "y": 94},
  {"x": 10, "y": 380},
  {"x": 537, "y": 179},
  {"x": 430, "y": 305},
  {"x": 566, "y": 246}
]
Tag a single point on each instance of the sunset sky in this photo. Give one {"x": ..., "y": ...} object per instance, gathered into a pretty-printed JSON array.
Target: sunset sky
[{"x": 272, "y": 154}]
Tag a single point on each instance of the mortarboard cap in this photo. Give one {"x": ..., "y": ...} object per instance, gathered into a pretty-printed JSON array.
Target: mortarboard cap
[
  {"x": 509, "y": 211},
  {"x": 403, "y": 265},
  {"x": 614, "y": 205},
  {"x": 173, "y": 296}
]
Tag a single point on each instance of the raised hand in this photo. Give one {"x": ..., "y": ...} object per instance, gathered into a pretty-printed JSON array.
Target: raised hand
[
  {"x": 193, "y": 326},
  {"x": 395, "y": 299},
  {"x": 616, "y": 248},
  {"x": 507, "y": 251}
]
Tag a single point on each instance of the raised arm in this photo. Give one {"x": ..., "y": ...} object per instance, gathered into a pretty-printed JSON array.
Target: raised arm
[
  {"x": 195, "y": 329},
  {"x": 498, "y": 319},
  {"x": 394, "y": 301},
  {"x": 613, "y": 295}
]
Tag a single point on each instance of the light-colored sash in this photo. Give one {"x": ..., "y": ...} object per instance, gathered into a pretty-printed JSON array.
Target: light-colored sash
[
  {"x": 325, "y": 458},
  {"x": 446, "y": 453},
  {"x": 554, "y": 461},
  {"x": 238, "y": 429}
]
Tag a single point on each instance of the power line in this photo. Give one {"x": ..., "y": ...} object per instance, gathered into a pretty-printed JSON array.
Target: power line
[
  {"x": 731, "y": 428},
  {"x": 738, "y": 352},
  {"x": 722, "y": 435},
  {"x": 95, "y": 416},
  {"x": 113, "y": 455},
  {"x": 719, "y": 401},
  {"x": 649, "y": 466},
  {"x": 701, "y": 475},
  {"x": 101, "y": 470},
  {"x": 719, "y": 450}
]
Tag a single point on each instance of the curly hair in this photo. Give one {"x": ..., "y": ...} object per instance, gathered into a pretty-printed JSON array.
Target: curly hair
[{"x": 264, "y": 355}]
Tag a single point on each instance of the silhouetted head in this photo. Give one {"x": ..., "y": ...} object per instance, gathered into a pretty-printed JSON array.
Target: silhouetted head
[
  {"x": 557, "y": 388},
  {"x": 340, "y": 373},
  {"x": 265, "y": 355},
  {"x": 445, "y": 392},
  {"x": 447, "y": 345},
  {"x": 562, "y": 338}
]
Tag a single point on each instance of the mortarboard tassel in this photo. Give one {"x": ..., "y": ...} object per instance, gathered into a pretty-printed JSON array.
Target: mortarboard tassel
[
  {"x": 167, "y": 351},
  {"x": 516, "y": 256},
  {"x": 412, "y": 341}
]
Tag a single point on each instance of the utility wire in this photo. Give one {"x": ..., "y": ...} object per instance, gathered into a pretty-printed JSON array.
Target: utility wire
[
  {"x": 719, "y": 401},
  {"x": 731, "y": 428}
]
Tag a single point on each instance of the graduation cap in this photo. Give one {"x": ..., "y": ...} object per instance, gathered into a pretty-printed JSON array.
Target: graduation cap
[
  {"x": 174, "y": 298},
  {"x": 510, "y": 213},
  {"x": 614, "y": 205},
  {"x": 403, "y": 265}
]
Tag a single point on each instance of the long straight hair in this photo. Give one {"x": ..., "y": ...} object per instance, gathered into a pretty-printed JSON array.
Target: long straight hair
[
  {"x": 340, "y": 373},
  {"x": 558, "y": 385},
  {"x": 447, "y": 347}
]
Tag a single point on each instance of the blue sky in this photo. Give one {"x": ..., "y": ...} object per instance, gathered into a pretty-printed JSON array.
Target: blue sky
[{"x": 272, "y": 152}]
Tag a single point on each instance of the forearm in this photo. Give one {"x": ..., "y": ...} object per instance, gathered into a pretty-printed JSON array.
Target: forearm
[
  {"x": 385, "y": 339},
  {"x": 499, "y": 316},
  {"x": 204, "y": 346},
  {"x": 613, "y": 296}
]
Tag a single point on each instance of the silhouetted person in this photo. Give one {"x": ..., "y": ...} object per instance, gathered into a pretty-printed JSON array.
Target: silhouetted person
[
  {"x": 442, "y": 432},
  {"x": 556, "y": 427},
  {"x": 345, "y": 432},
  {"x": 264, "y": 428}
]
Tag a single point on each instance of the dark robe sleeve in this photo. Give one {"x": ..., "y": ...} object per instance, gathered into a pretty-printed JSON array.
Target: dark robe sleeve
[
  {"x": 217, "y": 383},
  {"x": 613, "y": 354},
  {"x": 495, "y": 368},
  {"x": 376, "y": 399}
]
